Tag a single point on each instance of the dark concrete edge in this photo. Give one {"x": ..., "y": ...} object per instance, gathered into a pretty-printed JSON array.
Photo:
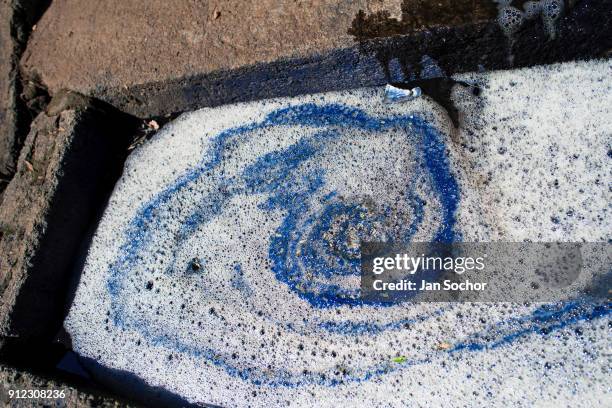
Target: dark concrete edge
[
  {"x": 90, "y": 165},
  {"x": 583, "y": 33},
  {"x": 70, "y": 219}
]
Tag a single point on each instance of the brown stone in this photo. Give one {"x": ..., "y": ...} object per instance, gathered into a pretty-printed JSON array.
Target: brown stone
[
  {"x": 68, "y": 164},
  {"x": 16, "y": 20},
  {"x": 109, "y": 52},
  {"x": 152, "y": 58},
  {"x": 81, "y": 45}
]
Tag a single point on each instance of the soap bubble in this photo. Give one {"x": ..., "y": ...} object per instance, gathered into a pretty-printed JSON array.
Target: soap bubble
[
  {"x": 551, "y": 11},
  {"x": 510, "y": 19}
]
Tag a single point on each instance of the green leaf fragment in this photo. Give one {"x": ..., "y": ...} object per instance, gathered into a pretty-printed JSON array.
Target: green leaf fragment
[{"x": 400, "y": 359}]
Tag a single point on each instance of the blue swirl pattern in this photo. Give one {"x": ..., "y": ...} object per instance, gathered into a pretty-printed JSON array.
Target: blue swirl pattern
[{"x": 311, "y": 226}]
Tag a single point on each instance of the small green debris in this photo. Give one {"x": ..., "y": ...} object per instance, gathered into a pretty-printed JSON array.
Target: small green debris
[{"x": 400, "y": 359}]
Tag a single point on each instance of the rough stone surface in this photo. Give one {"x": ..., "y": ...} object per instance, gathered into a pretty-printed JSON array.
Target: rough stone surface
[
  {"x": 95, "y": 50},
  {"x": 165, "y": 59},
  {"x": 7, "y": 90},
  {"x": 68, "y": 163},
  {"x": 16, "y": 19},
  {"x": 13, "y": 379},
  {"x": 165, "y": 41}
]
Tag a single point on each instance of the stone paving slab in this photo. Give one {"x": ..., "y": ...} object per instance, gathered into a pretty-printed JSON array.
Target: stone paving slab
[
  {"x": 67, "y": 165},
  {"x": 7, "y": 90},
  {"x": 150, "y": 59}
]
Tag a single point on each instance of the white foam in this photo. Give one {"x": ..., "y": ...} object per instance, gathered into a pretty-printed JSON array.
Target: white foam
[{"x": 531, "y": 161}]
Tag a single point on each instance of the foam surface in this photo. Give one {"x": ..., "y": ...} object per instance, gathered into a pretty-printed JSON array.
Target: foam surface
[
  {"x": 226, "y": 266},
  {"x": 511, "y": 18}
]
